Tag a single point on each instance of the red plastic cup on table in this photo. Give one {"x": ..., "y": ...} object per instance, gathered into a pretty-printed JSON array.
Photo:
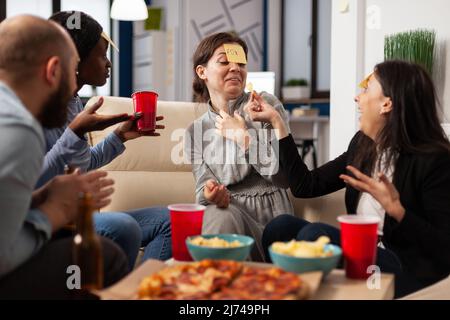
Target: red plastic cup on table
[
  {"x": 359, "y": 244},
  {"x": 186, "y": 220},
  {"x": 145, "y": 104}
]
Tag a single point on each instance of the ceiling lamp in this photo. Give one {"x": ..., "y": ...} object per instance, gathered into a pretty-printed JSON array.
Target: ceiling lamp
[{"x": 129, "y": 10}]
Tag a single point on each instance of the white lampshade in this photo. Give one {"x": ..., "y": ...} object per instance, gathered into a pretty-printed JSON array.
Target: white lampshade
[{"x": 129, "y": 10}]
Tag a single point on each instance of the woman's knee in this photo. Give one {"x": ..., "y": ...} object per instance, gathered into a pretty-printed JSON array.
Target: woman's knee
[
  {"x": 282, "y": 228},
  {"x": 281, "y": 222},
  {"x": 217, "y": 220},
  {"x": 163, "y": 216},
  {"x": 119, "y": 227},
  {"x": 154, "y": 218},
  {"x": 313, "y": 231}
]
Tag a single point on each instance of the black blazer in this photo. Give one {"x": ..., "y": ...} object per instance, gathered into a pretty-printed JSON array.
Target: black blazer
[{"x": 422, "y": 239}]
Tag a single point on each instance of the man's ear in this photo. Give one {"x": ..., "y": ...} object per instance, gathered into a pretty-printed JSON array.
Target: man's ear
[
  {"x": 200, "y": 70},
  {"x": 387, "y": 106},
  {"x": 53, "y": 71}
]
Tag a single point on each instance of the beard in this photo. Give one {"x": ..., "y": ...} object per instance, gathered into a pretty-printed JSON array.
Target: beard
[{"x": 54, "y": 111}]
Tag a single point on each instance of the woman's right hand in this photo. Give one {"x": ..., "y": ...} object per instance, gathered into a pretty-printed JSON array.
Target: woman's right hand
[
  {"x": 62, "y": 195},
  {"x": 217, "y": 194},
  {"x": 259, "y": 110}
]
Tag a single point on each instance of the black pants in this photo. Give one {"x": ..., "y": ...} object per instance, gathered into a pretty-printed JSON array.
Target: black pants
[
  {"x": 45, "y": 275},
  {"x": 287, "y": 227}
]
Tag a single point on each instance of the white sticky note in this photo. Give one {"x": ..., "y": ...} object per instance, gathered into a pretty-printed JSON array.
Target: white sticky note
[
  {"x": 235, "y": 53},
  {"x": 343, "y": 6}
]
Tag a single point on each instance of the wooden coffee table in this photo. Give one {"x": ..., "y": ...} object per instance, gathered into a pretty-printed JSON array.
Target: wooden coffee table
[{"x": 338, "y": 287}]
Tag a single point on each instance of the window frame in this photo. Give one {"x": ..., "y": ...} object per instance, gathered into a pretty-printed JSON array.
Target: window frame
[{"x": 315, "y": 93}]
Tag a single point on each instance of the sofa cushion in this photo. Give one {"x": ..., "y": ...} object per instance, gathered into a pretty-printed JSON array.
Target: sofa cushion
[{"x": 140, "y": 189}]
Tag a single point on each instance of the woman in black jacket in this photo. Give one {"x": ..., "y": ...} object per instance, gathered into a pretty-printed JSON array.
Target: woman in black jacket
[{"x": 397, "y": 167}]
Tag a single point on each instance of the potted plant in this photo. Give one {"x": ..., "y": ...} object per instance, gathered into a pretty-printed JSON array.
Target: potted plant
[
  {"x": 295, "y": 89},
  {"x": 417, "y": 46}
]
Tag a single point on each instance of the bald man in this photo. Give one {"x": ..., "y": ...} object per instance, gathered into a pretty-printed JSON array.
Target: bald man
[{"x": 38, "y": 63}]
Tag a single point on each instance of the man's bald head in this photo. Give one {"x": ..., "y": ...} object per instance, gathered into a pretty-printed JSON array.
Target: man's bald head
[
  {"x": 28, "y": 41},
  {"x": 38, "y": 61}
]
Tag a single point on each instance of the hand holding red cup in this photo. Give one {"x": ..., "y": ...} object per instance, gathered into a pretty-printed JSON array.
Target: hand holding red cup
[{"x": 145, "y": 104}]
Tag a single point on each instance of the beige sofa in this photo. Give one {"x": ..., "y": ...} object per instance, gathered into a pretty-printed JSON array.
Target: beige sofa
[{"x": 146, "y": 176}]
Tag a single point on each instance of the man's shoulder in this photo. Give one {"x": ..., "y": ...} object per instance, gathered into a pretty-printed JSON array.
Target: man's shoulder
[
  {"x": 12, "y": 121},
  {"x": 18, "y": 125}
]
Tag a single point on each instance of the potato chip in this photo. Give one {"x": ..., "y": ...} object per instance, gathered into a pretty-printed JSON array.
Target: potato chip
[
  {"x": 215, "y": 242},
  {"x": 303, "y": 249}
]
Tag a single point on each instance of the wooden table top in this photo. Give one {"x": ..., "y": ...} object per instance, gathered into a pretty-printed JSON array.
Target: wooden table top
[{"x": 337, "y": 287}]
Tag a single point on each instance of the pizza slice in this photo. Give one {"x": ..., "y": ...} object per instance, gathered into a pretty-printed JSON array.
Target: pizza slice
[
  {"x": 189, "y": 281},
  {"x": 264, "y": 284}
]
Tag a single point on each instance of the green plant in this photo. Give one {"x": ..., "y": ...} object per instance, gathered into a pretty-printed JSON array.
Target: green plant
[
  {"x": 296, "y": 83},
  {"x": 417, "y": 46}
]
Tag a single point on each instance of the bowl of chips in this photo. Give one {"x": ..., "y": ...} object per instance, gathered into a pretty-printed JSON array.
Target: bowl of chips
[
  {"x": 306, "y": 256},
  {"x": 220, "y": 247}
]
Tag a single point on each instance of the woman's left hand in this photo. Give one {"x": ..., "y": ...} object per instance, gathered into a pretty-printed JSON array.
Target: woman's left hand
[
  {"x": 233, "y": 128},
  {"x": 382, "y": 190}
]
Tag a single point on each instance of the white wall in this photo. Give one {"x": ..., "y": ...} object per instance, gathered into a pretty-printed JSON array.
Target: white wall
[
  {"x": 358, "y": 44},
  {"x": 347, "y": 68}
]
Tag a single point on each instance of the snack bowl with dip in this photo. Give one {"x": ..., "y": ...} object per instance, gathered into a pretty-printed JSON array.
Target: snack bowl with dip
[
  {"x": 220, "y": 247},
  {"x": 305, "y": 256}
]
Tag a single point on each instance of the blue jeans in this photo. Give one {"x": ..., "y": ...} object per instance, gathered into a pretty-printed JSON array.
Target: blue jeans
[
  {"x": 148, "y": 228},
  {"x": 288, "y": 227}
]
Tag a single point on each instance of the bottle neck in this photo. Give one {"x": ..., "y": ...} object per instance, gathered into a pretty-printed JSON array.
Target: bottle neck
[{"x": 85, "y": 224}]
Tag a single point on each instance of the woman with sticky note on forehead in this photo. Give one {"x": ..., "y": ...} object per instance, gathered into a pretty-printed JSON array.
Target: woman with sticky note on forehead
[
  {"x": 234, "y": 161},
  {"x": 396, "y": 169}
]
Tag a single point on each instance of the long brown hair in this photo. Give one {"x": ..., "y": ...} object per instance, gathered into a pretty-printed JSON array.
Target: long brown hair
[
  {"x": 412, "y": 126},
  {"x": 205, "y": 50}
]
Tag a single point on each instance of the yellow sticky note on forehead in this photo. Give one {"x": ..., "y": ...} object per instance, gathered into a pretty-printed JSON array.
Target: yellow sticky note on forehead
[
  {"x": 365, "y": 83},
  {"x": 235, "y": 53}
]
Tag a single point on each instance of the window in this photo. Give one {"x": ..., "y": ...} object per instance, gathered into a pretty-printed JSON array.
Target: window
[
  {"x": 306, "y": 48},
  {"x": 262, "y": 81},
  {"x": 41, "y": 8}
]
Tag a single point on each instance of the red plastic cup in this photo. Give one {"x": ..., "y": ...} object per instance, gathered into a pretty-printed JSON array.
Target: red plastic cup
[
  {"x": 145, "y": 103},
  {"x": 186, "y": 220},
  {"x": 359, "y": 244}
]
